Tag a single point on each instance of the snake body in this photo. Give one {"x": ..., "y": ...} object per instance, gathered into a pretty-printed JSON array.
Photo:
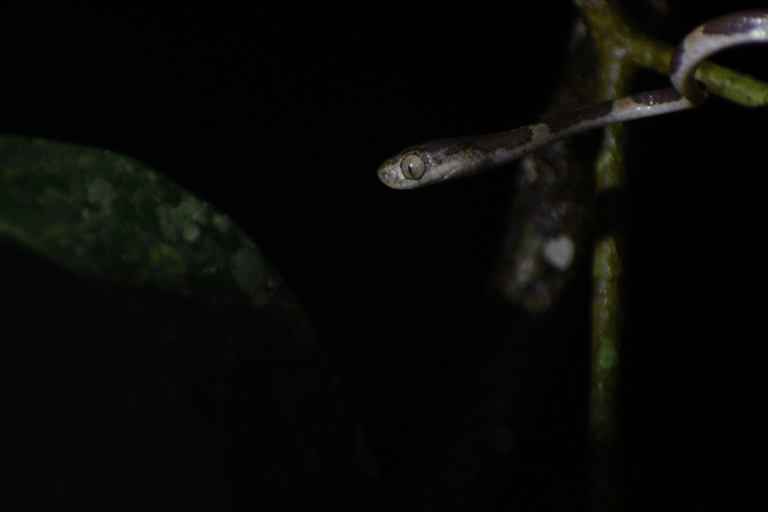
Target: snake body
[{"x": 451, "y": 158}]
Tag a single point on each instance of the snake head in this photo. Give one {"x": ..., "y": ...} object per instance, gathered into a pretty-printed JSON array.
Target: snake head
[
  {"x": 407, "y": 169},
  {"x": 429, "y": 163}
]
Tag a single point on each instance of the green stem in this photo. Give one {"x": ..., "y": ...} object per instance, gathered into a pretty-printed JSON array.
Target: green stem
[
  {"x": 622, "y": 50},
  {"x": 605, "y": 20}
]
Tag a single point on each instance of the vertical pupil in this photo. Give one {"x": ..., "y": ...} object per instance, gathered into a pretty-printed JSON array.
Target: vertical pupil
[{"x": 413, "y": 167}]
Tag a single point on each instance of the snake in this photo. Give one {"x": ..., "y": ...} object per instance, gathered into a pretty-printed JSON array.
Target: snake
[{"x": 457, "y": 157}]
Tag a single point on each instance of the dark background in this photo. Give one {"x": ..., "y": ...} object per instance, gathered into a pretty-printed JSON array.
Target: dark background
[{"x": 280, "y": 117}]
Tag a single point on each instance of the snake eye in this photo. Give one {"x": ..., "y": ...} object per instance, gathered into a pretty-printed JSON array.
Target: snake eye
[{"x": 413, "y": 167}]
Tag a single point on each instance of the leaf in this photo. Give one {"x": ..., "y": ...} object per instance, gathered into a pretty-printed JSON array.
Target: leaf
[{"x": 194, "y": 293}]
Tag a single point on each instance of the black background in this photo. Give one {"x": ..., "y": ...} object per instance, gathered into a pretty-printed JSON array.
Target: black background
[{"x": 280, "y": 116}]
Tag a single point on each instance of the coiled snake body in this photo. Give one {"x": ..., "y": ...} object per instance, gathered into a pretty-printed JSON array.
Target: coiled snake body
[{"x": 446, "y": 159}]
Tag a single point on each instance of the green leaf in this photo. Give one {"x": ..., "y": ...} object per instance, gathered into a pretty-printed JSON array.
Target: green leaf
[{"x": 207, "y": 303}]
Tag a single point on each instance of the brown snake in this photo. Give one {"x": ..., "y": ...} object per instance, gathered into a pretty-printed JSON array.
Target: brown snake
[{"x": 457, "y": 157}]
